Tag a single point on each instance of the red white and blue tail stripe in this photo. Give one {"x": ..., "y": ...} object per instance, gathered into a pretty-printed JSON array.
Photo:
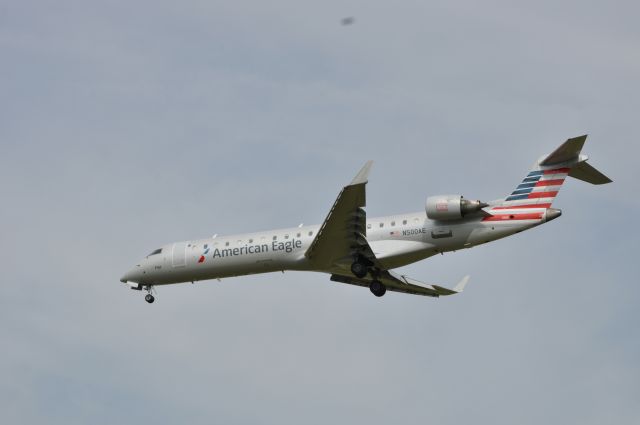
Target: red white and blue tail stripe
[
  {"x": 532, "y": 197},
  {"x": 537, "y": 190}
]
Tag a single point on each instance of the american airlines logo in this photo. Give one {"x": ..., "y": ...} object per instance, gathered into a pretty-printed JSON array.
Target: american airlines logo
[
  {"x": 442, "y": 206},
  {"x": 205, "y": 252}
]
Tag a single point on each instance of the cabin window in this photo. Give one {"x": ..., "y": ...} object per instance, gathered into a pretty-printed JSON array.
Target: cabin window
[
  {"x": 310, "y": 233},
  {"x": 226, "y": 243},
  {"x": 404, "y": 221},
  {"x": 275, "y": 238},
  {"x": 250, "y": 240},
  {"x": 381, "y": 225},
  {"x": 393, "y": 223},
  {"x": 286, "y": 236},
  {"x": 369, "y": 226},
  {"x": 298, "y": 235}
]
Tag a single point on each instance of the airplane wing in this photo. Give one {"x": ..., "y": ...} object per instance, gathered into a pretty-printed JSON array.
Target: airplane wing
[
  {"x": 399, "y": 283},
  {"x": 344, "y": 231},
  {"x": 343, "y": 237}
]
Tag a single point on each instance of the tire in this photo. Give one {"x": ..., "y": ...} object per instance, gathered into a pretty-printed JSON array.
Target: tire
[
  {"x": 359, "y": 270},
  {"x": 149, "y": 298},
  {"x": 377, "y": 288}
]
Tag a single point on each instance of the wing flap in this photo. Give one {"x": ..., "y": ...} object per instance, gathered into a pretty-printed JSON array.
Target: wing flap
[
  {"x": 394, "y": 286},
  {"x": 400, "y": 283}
]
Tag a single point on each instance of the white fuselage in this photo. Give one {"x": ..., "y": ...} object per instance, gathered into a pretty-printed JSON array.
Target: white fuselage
[{"x": 395, "y": 240}]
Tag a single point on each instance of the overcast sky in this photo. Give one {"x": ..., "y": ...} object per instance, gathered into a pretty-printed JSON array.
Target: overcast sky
[{"x": 126, "y": 125}]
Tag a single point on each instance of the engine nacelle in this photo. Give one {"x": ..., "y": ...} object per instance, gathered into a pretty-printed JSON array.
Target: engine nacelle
[{"x": 451, "y": 207}]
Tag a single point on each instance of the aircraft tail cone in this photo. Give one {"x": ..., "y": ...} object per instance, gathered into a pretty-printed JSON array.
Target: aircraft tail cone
[{"x": 552, "y": 214}]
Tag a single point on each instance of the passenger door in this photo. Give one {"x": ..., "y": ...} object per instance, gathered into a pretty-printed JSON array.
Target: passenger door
[{"x": 179, "y": 254}]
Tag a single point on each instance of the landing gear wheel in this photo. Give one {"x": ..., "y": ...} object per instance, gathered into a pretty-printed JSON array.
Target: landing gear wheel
[
  {"x": 358, "y": 269},
  {"x": 149, "y": 298},
  {"x": 377, "y": 288}
]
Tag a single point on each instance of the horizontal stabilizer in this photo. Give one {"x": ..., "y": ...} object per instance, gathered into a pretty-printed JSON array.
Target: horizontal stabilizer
[
  {"x": 567, "y": 151},
  {"x": 589, "y": 174}
]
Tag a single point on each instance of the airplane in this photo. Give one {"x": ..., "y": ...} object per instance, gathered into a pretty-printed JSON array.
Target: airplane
[{"x": 359, "y": 251}]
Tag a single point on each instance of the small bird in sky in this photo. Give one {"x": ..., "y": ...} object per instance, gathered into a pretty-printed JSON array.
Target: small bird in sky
[{"x": 348, "y": 20}]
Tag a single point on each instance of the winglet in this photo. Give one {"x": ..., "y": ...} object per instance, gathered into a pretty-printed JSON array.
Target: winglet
[
  {"x": 363, "y": 175},
  {"x": 456, "y": 290},
  {"x": 460, "y": 286}
]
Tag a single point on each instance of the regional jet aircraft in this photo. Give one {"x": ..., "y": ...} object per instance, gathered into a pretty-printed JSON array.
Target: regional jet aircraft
[{"x": 359, "y": 251}]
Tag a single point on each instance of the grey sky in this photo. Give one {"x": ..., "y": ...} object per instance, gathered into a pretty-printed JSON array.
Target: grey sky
[{"x": 125, "y": 125}]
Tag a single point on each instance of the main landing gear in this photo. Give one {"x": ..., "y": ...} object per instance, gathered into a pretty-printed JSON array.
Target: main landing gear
[
  {"x": 359, "y": 269},
  {"x": 377, "y": 288}
]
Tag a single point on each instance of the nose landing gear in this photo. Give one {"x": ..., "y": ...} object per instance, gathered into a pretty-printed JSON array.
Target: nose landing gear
[{"x": 149, "y": 297}]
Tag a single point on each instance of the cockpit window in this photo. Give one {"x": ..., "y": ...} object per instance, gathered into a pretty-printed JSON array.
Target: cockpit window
[{"x": 157, "y": 251}]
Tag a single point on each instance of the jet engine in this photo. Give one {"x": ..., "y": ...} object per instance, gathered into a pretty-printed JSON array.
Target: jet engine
[{"x": 451, "y": 207}]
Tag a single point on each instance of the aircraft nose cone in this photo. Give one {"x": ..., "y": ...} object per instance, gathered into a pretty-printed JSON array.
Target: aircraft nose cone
[
  {"x": 129, "y": 276},
  {"x": 552, "y": 214}
]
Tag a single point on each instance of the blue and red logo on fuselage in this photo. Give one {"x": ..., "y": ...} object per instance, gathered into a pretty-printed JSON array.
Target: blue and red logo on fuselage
[{"x": 205, "y": 252}]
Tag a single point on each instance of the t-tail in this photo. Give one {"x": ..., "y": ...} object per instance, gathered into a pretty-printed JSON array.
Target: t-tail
[{"x": 541, "y": 185}]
